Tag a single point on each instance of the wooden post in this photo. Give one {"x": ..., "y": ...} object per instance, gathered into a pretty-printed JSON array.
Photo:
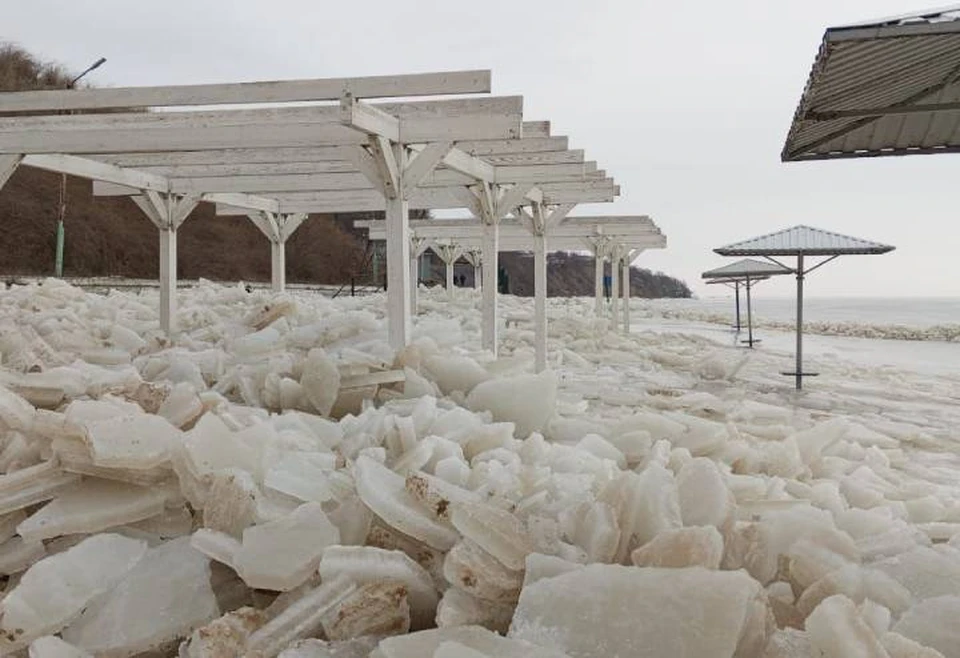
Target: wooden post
[
  {"x": 598, "y": 279},
  {"x": 448, "y": 267},
  {"x": 626, "y": 295},
  {"x": 540, "y": 299},
  {"x": 168, "y": 280},
  {"x": 8, "y": 165},
  {"x": 414, "y": 276},
  {"x": 490, "y": 256},
  {"x": 400, "y": 324},
  {"x": 614, "y": 289},
  {"x": 278, "y": 266}
]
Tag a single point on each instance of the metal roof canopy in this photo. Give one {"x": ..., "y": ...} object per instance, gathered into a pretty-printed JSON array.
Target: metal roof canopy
[
  {"x": 887, "y": 87},
  {"x": 622, "y": 238},
  {"x": 349, "y": 156},
  {"x": 801, "y": 241},
  {"x": 746, "y": 272}
]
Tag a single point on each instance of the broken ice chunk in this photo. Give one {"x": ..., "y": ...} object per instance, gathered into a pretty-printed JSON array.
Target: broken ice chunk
[
  {"x": 231, "y": 506},
  {"x": 933, "y": 623},
  {"x": 683, "y": 547},
  {"x": 457, "y": 650},
  {"x": 226, "y": 636},
  {"x": 837, "y": 631},
  {"x": 475, "y": 638},
  {"x": 140, "y": 442},
  {"x": 365, "y": 564},
  {"x": 437, "y": 495},
  {"x": 32, "y": 485},
  {"x": 300, "y": 619},
  {"x": 704, "y": 498},
  {"x": 15, "y": 412},
  {"x": 91, "y": 506},
  {"x": 302, "y": 475},
  {"x": 383, "y": 491},
  {"x": 379, "y": 609},
  {"x": 611, "y": 610},
  {"x": 496, "y": 531},
  {"x": 16, "y": 555},
  {"x": 457, "y": 608},
  {"x": 473, "y": 570},
  {"x": 56, "y": 590},
  {"x": 282, "y": 554},
  {"x": 526, "y": 400},
  {"x": 50, "y": 646},
  {"x": 356, "y": 648},
  {"x": 597, "y": 532},
  {"x": 164, "y": 597},
  {"x": 320, "y": 381}
]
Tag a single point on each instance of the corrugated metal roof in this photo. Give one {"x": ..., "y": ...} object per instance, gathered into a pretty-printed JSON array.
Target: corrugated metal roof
[
  {"x": 746, "y": 267},
  {"x": 802, "y": 240},
  {"x": 887, "y": 87}
]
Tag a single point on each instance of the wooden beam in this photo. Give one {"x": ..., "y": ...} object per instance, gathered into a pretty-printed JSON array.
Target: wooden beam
[
  {"x": 8, "y": 165},
  {"x": 182, "y": 207},
  {"x": 329, "y": 89},
  {"x": 271, "y": 169},
  {"x": 382, "y": 151},
  {"x": 325, "y": 158},
  {"x": 497, "y": 146},
  {"x": 423, "y": 164},
  {"x": 368, "y": 119},
  {"x": 527, "y": 159},
  {"x": 420, "y": 198},
  {"x": 245, "y": 201},
  {"x": 536, "y": 129},
  {"x": 513, "y": 197},
  {"x": 267, "y": 223},
  {"x": 94, "y": 170},
  {"x": 540, "y": 173},
  {"x": 464, "y": 163},
  {"x": 225, "y": 157},
  {"x": 490, "y": 118},
  {"x": 367, "y": 164},
  {"x": 289, "y": 223}
]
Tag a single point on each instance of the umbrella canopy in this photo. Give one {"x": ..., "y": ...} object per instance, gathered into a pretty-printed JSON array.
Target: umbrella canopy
[
  {"x": 803, "y": 240},
  {"x": 748, "y": 267},
  {"x": 884, "y": 87}
]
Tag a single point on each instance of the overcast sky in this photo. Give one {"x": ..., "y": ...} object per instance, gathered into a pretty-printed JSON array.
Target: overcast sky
[{"x": 685, "y": 104}]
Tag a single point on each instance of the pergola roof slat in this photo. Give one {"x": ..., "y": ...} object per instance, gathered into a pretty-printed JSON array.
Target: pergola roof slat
[{"x": 280, "y": 91}]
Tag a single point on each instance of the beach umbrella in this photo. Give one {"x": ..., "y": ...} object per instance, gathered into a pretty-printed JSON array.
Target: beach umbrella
[
  {"x": 746, "y": 272},
  {"x": 802, "y": 242}
]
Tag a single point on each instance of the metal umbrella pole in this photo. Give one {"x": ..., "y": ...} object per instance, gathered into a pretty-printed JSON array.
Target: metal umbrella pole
[
  {"x": 799, "y": 370},
  {"x": 736, "y": 290},
  {"x": 750, "y": 340}
]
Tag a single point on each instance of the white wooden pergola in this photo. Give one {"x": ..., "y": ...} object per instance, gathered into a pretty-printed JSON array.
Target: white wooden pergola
[
  {"x": 620, "y": 238},
  {"x": 277, "y": 163}
]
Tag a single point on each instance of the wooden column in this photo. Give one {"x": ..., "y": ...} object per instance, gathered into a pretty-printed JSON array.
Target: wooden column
[
  {"x": 490, "y": 256},
  {"x": 540, "y": 300}
]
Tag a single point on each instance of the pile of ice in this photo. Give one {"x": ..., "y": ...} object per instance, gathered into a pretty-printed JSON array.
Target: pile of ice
[{"x": 250, "y": 490}]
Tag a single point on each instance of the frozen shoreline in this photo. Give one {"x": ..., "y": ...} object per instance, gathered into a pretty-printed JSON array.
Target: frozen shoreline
[{"x": 665, "y": 470}]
